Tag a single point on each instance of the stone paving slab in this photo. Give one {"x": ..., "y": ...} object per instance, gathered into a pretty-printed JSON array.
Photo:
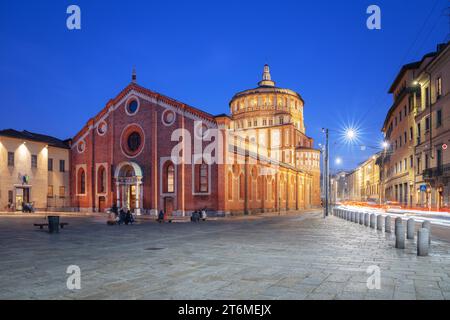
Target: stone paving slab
[{"x": 288, "y": 257}]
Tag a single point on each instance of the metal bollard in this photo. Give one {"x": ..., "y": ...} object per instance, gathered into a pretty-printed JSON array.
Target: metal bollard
[
  {"x": 387, "y": 224},
  {"x": 423, "y": 242},
  {"x": 361, "y": 218},
  {"x": 410, "y": 228},
  {"x": 427, "y": 225},
  {"x": 380, "y": 222},
  {"x": 347, "y": 215},
  {"x": 356, "y": 217},
  {"x": 353, "y": 216},
  {"x": 372, "y": 220},
  {"x": 399, "y": 234},
  {"x": 366, "y": 219}
]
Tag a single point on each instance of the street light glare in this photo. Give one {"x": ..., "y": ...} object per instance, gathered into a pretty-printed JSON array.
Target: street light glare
[
  {"x": 351, "y": 134},
  {"x": 338, "y": 160},
  {"x": 385, "y": 144}
]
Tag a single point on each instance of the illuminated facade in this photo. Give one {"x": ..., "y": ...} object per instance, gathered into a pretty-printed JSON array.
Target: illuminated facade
[
  {"x": 129, "y": 154},
  {"x": 34, "y": 168}
]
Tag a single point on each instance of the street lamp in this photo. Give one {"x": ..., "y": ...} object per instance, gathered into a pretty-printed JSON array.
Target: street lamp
[{"x": 338, "y": 161}]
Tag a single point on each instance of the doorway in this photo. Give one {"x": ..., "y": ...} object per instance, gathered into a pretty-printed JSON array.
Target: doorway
[
  {"x": 101, "y": 204},
  {"x": 22, "y": 196},
  {"x": 168, "y": 206}
]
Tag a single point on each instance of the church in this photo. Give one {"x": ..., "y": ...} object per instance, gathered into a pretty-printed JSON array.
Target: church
[{"x": 148, "y": 152}]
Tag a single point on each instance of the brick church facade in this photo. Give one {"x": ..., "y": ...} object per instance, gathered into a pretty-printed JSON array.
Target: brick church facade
[{"x": 148, "y": 152}]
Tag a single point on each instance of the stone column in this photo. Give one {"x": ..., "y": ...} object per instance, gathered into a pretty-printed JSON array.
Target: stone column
[
  {"x": 372, "y": 220},
  {"x": 387, "y": 224},
  {"x": 380, "y": 222},
  {"x": 410, "y": 228},
  {"x": 399, "y": 234},
  {"x": 118, "y": 194}
]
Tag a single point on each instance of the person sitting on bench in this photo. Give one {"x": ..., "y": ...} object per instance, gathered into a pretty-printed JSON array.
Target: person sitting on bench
[
  {"x": 122, "y": 216},
  {"x": 129, "y": 218}
]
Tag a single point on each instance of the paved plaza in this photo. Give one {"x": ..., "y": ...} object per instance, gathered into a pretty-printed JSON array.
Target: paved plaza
[{"x": 289, "y": 257}]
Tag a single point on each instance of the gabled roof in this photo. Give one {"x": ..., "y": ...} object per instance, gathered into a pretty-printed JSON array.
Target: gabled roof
[
  {"x": 160, "y": 97},
  {"x": 32, "y": 136}
]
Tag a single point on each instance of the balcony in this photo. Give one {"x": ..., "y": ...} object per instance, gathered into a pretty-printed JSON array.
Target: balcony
[{"x": 439, "y": 171}]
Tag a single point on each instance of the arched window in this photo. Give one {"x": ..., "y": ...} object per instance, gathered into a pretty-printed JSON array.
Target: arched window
[
  {"x": 201, "y": 178},
  {"x": 241, "y": 187},
  {"x": 169, "y": 178},
  {"x": 260, "y": 188},
  {"x": 230, "y": 186},
  {"x": 273, "y": 189},
  {"x": 101, "y": 180},
  {"x": 81, "y": 181}
]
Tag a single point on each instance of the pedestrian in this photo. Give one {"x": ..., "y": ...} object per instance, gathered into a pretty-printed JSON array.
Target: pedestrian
[
  {"x": 204, "y": 214},
  {"x": 161, "y": 216}
]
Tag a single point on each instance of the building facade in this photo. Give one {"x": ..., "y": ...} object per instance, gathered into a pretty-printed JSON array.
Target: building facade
[
  {"x": 399, "y": 132},
  {"x": 432, "y": 121},
  {"x": 148, "y": 152},
  {"x": 34, "y": 168},
  {"x": 363, "y": 184}
]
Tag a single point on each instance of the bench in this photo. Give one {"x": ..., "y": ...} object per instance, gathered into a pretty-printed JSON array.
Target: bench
[{"x": 42, "y": 225}]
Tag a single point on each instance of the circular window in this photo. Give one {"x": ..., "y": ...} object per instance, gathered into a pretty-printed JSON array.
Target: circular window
[
  {"x": 102, "y": 127},
  {"x": 168, "y": 117},
  {"x": 132, "y": 106},
  {"x": 132, "y": 140},
  {"x": 200, "y": 130},
  {"x": 81, "y": 146}
]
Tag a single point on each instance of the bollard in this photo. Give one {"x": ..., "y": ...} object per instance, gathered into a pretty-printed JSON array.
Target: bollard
[
  {"x": 347, "y": 215},
  {"x": 423, "y": 242},
  {"x": 387, "y": 224},
  {"x": 427, "y": 225},
  {"x": 380, "y": 222},
  {"x": 361, "y": 218},
  {"x": 356, "y": 217},
  {"x": 410, "y": 226},
  {"x": 366, "y": 219},
  {"x": 353, "y": 216},
  {"x": 399, "y": 234},
  {"x": 372, "y": 220}
]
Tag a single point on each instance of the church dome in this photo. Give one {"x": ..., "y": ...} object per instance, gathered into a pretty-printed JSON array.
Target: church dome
[{"x": 277, "y": 105}]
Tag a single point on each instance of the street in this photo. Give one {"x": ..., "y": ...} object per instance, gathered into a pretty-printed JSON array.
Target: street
[{"x": 288, "y": 257}]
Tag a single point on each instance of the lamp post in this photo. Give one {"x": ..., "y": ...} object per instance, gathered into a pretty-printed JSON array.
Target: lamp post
[{"x": 327, "y": 172}]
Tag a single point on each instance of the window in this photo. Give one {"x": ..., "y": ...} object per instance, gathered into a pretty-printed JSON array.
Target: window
[
  {"x": 410, "y": 133},
  {"x": 400, "y": 141},
  {"x": 230, "y": 186},
  {"x": 438, "y": 118},
  {"x": 62, "y": 165},
  {"x": 101, "y": 180},
  {"x": 81, "y": 181},
  {"x": 10, "y": 159},
  {"x": 264, "y": 122},
  {"x": 405, "y": 164},
  {"x": 411, "y": 161},
  {"x": 50, "y": 164},
  {"x": 438, "y": 87},
  {"x": 395, "y": 121},
  {"x": 410, "y": 103},
  {"x": 10, "y": 197},
  {"x": 134, "y": 141},
  {"x": 405, "y": 137},
  {"x": 204, "y": 178},
  {"x": 241, "y": 187},
  {"x": 418, "y": 133},
  {"x": 427, "y": 124},
  {"x": 281, "y": 120},
  {"x": 427, "y": 162},
  {"x": 418, "y": 165},
  {"x": 50, "y": 191},
  {"x": 249, "y": 124},
  {"x": 62, "y": 192},
  {"x": 400, "y": 116},
  {"x": 404, "y": 111},
  {"x": 169, "y": 186},
  {"x": 427, "y": 97},
  {"x": 133, "y": 106},
  {"x": 34, "y": 161},
  {"x": 255, "y": 123},
  {"x": 270, "y": 122}
]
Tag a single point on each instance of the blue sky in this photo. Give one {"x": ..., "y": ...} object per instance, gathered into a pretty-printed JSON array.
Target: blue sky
[{"x": 52, "y": 80}]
